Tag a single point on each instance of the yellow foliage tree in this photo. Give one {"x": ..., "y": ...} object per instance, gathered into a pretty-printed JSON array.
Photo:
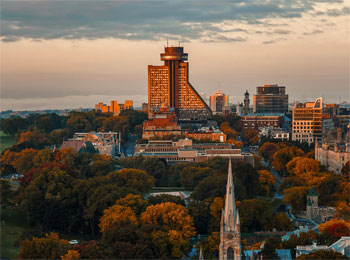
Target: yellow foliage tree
[
  {"x": 71, "y": 255},
  {"x": 300, "y": 166},
  {"x": 48, "y": 247},
  {"x": 117, "y": 216},
  {"x": 268, "y": 181},
  {"x": 169, "y": 223},
  {"x": 135, "y": 202}
]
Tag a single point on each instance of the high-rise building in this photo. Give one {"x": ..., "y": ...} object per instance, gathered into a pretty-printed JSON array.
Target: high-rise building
[
  {"x": 218, "y": 102},
  {"x": 114, "y": 108},
  {"x": 270, "y": 99},
  {"x": 230, "y": 236},
  {"x": 246, "y": 103},
  {"x": 307, "y": 121},
  {"x": 169, "y": 85}
]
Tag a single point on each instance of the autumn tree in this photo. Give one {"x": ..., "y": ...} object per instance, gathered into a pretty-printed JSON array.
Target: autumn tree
[
  {"x": 116, "y": 217},
  {"x": 135, "y": 202},
  {"x": 215, "y": 213},
  {"x": 268, "y": 182},
  {"x": 169, "y": 224},
  {"x": 135, "y": 179},
  {"x": 300, "y": 166},
  {"x": 71, "y": 255},
  {"x": 210, "y": 246},
  {"x": 251, "y": 137},
  {"x": 48, "y": 247},
  {"x": 267, "y": 150},
  {"x": 296, "y": 197},
  {"x": 283, "y": 156}
]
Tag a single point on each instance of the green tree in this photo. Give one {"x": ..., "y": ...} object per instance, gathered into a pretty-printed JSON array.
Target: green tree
[
  {"x": 255, "y": 215},
  {"x": 269, "y": 250},
  {"x": 283, "y": 156},
  {"x": 282, "y": 222},
  {"x": 296, "y": 197},
  {"x": 6, "y": 193}
]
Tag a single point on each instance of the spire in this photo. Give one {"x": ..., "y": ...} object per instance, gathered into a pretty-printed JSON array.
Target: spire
[
  {"x": 230, "y": 207},
  {"x": 201, "y": 254}
]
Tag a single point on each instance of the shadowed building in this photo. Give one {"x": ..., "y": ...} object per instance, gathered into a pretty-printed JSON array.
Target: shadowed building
[
  {"x": 270, "y": 99},
  {"x": 169, "y": 85}
]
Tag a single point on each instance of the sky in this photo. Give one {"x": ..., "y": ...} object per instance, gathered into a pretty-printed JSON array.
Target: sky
[{"x": 71, "y": 54}]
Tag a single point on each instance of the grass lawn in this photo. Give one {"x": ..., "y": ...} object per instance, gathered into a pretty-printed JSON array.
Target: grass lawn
[
  {"x": 13, "y": 224},
  {"x": 6, "y": 141}
]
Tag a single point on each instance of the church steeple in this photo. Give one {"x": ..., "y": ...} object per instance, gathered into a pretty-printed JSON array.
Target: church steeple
[
  {"x": 230, "y": 244},
  {"x": 230, "y": 204}
]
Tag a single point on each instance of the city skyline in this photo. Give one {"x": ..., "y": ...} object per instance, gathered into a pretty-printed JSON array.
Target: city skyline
[{"x": 61, "y": 54}]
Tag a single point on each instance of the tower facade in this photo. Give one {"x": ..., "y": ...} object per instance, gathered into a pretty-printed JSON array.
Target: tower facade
[
  {"x": 230, "y": 237},
  {"x": 270, "y": 99},
  {"x": 218, "y": 102},
  {"x": 246, "y": 103},
  {"x": 169, "y": 85},
  {"x": 312, "y": 204}
]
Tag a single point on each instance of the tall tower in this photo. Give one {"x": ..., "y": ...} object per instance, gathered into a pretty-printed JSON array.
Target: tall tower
[
  {"x": 246, "y": 103},
  {"x": 230, "y": 238},
  {"x": 312, "y": 204},
  {"x": 169, "y": 85}
]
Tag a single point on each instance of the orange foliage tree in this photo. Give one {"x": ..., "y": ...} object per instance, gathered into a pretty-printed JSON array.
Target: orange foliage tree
[
  {"x": 169, "y": 225},
  {"x": 117, "y": 216}
]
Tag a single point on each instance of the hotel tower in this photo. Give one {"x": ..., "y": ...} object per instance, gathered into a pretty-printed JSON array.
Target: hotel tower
[{"x": 169, "y": 85}]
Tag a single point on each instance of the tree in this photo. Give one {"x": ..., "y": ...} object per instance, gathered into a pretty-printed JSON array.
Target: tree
[
  {"x": 161, "y": 198},
  {"x": 255, "y": 215},
  {"x": 296, "y": 197},
  {"x": 210, "y": 246},
  {"x": 169, "y": 224},
  {"x": 71, "y": 255},
  {"x": 215, "y": 212},
  {"x": 251, "y": 137},
  {"x": 135, "y": 202},
  {"x": 323, "y": 254},
  {"x": 282, "y": 222},
  {"x": 300, "y": 166},
  {"x": 267, "y": 150},
  {"x": 12, "y": 126},
  {"x": 135, "y": 179},
  {"x": 116, "y": 217},
  {"x": 48, "y": 247},
  {"x": 269, "y": 250},
  {"x": 283, "y": 156},
  {"x": 304, "y": 238},
  {"x": 25, "y": 160},
  {"x": 6, "y": 193},
  {"x": 200, "y": 213},
  {"x": 336, "y": 231},
  {"x": 346, "y": 168},
  {"x": 268, "y": 182}
]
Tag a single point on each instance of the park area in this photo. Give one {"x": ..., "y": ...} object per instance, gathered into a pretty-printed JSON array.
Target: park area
[{"x": 6, "y": 141}]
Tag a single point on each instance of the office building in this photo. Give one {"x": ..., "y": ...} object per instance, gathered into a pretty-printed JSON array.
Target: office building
[
  {"x": 185, "y": 150},
  {"x": 114, "y": 108},
  {"x": 270, "y": 99},
  {"x": 307, "y": 121},
  {"x": 169, "y": 84},
  {"x": 251, "y": 122},
  {"x": 218, "y": 103}
]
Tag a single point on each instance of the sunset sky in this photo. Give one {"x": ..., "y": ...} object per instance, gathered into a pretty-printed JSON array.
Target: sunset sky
[{"x": 70, "y": 54}]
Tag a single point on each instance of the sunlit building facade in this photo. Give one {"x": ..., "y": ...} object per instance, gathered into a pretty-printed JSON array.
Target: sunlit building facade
[
  {"x": 307, "y": 121},
  {"x": 218, "y": 102},
  {"x": 169, "y": 85}
]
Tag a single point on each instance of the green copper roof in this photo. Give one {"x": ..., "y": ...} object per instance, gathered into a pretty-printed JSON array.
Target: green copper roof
[{"x": 312, "y": 192}]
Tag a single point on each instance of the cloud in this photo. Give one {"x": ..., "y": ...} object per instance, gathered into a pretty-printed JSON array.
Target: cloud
[
  {"x": 281, "y": 31},
  {"x": 313, "y": 32},
  {"x": 134, "y": 20}
]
